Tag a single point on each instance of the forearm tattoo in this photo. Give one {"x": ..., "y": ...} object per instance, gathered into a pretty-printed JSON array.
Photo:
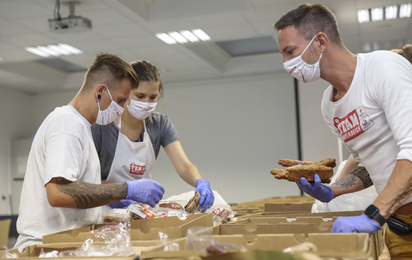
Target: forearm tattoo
[
  {"x": 400, "y": 199},
  {"x": 89, "y": 195},
  {"x": 349, "y": 180},
  {"x": 363, "y": 175}
]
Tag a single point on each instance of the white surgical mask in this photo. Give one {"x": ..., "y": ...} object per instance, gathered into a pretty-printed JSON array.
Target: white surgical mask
[
  {"x": 301, "y": 70},
  {"x": 109, "y": 115},
  {"x": 141, "y": 110}
]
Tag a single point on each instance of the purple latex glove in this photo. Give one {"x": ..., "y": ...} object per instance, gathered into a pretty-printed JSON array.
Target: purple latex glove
[
  {"x": 145, "y": 191},
  {"x": 121, "y": 204},
  {"x": 317, "y": 190},
  {"x": 362, "y": 224},
  {"x": 206, "y": 194}
]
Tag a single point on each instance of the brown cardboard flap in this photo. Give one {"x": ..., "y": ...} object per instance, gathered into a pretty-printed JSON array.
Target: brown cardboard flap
[
  {"x": 345, "y": 245},
  {"x": 309, "y": 214},
  {"x": 318, "y": 220},
  {"x": 288, "y": 207},
  {"x": 287, "y": 228}
]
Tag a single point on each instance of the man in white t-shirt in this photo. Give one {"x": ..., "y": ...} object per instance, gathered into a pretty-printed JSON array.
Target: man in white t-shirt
[
  {"x": 367, "y": 106},
  {"x": 62, "y": 188}
]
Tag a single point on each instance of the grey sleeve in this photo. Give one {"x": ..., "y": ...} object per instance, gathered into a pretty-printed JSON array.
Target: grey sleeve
[
  {"x": 168, "y": 132},
  {"x": 105, "y": 140}
]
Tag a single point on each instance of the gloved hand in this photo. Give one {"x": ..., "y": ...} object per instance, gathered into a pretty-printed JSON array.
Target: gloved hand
[
  {"x": 206, "y": 194},
  {"x": 317, "y": 190},
  {"x": 145, "y": 191},
  {"x": 362, "y": 224},
  {"x": 121, "y": 204}
]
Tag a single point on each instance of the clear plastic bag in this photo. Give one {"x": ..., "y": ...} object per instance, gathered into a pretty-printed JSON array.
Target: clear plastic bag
[
  {"x": 7, "y": 254},
  {"x": 221, "y": 214}
]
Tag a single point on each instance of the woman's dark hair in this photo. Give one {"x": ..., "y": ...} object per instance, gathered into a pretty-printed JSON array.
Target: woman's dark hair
[{"x": 146, "y": 71}]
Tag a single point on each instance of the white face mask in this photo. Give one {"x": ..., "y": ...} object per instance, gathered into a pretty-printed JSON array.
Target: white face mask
[
  {"x": 109, "y": 115},
  {"x": 141, "y": 110},
  {"x": 301, "y": 70}
]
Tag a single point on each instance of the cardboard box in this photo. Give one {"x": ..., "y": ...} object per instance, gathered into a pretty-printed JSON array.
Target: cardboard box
[
  {"x": 34, "y": 251},
  {"x": 286, "y": 228},
  {"x": 288, "y": 207},
  {"x": 356, "y": 245},
  {"x": 144, "y": 229}
]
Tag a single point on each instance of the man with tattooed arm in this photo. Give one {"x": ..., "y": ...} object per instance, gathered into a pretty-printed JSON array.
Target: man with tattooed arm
[
  {"x": 62, "y": 188},
  {"x": 367, "y": 106}
]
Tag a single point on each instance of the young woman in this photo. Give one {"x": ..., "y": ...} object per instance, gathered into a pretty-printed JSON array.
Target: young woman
[{"x": 129, "y": 146}]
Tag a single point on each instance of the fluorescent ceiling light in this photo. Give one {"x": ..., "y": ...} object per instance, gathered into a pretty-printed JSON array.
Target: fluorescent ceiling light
[
  {"x": 377, "y": 14},
  {"x": 179, "y": 38},
  {"x": 58, "y": 49},
  {"x": 36, "y": 51},
  {"x": 391, "y": 12},
  {"x": 405, "y": 10},
  {"x": 363, "y": 16},
  {"x": 190, "y": 36},
  {"x": 48, "y": 51},
  {"x": 201, "y": 34},
  {"x": 166, "y": 38},
  {"x": 53, "y": 50},
  {"x": 69, "y": 48}
]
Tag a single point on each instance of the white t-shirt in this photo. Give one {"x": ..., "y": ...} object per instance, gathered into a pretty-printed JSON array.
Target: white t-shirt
[
  {"x": 374, "y": 118},
  {"x": 63, "y": 147}
]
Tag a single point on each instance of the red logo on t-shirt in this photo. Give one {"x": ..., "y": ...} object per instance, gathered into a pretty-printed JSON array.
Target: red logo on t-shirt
[
  {"x": 349, "y": 126},
  {"x": 137, "y": 169}
]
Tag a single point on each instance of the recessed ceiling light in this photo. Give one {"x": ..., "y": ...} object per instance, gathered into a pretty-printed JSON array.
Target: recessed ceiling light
[
  {"x": 363, "y": 16},
  {"x": 190, "y": 36},
  {"x": 377, "y": 14},
  {"x": 201, "y": 34},
  {"x": 166, "y": 38},
  {"x": 391, "y": 12},
  {"x": 179, "y": 38},
  {"x": 405, "y": 10},
  {"x": 54, "y": 50}
]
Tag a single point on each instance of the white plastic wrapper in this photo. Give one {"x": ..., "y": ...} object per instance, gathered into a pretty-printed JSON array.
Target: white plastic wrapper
[{"x": 349, "y": 202}]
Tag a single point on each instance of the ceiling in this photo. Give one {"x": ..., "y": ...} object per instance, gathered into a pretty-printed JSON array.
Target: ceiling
[{"x": 127, "y": 28}]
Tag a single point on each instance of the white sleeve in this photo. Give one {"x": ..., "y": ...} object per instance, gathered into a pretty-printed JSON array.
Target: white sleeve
[
  {"x": 392, "y": 88},
  {"x": 63, "y": 157}
]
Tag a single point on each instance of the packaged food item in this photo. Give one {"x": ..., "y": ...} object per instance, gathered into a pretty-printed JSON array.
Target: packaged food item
[
  {"x": 139, "y": 211},
  {"x": 193, "y": 203},
  {"x": 171, "y": 205},
  {"x": 117, "y": 216}
]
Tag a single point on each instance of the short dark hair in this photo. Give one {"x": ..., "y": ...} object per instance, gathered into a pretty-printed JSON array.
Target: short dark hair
[
  {"x": 110, "y": 70},
  {"x": 309, "y": 19},
  {"x": 146, "y": 71}
]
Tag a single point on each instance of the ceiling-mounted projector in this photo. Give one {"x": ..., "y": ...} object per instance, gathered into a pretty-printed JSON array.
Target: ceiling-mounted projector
[{"x": 72, "y": 23}]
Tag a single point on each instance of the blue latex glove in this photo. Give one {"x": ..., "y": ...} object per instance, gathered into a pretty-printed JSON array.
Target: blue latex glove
[
  {"x": 361, "y": 224},
  {"x": 206, "y": 194},
  {"x": 121, "y": 204},
  {"x": 317, "y": 190},
  {"x": 145, "y": 191}
]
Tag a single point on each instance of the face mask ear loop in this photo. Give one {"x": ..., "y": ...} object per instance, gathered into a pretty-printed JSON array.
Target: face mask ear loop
[
  {"x": 109, "y": 93},
  {"x": 308, "y": 45}
]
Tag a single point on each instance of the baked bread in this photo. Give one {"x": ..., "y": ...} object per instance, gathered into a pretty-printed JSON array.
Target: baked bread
[
  {"x": 307, "y": 169},
  {"x": 193, "y": 203},
  {"x": 171, "y": 205},
  {"x": 330, "y": 162}
]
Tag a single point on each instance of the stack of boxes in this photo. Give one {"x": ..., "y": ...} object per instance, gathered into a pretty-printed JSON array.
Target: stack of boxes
[{"x": 262, "y": 227}]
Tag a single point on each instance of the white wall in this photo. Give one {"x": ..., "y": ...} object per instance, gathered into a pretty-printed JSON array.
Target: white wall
[
  {"x": 234, "y": 131},
  {"x": 16, "y": 120},
  {"x": 318, "y": 141}
]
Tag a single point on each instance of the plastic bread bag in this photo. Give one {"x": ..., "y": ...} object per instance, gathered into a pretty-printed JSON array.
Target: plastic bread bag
[
  {"x": 162, "y": 239},
  {"x": 141, "y": 211},
  {"x": 117, "y": 216},
  {"x": 7, "y": 254},
  {"x": 221, "y": 214}
]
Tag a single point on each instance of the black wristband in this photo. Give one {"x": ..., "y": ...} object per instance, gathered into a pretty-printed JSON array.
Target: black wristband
[{"x": 373, "y": 213}]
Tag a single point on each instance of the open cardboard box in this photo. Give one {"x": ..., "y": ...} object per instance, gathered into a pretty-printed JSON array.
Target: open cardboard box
[
  {"x": 144, "y": 229},
  {"x": 288, "y": 207},
  {"x": 34, "y": 251},
  {"x": 356, "y": 245}
]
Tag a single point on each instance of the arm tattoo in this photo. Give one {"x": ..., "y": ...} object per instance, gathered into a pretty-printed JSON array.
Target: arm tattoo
[
  {"x": 401, "y": 198},
  {"x": 349, "y": 180},
  {"x": 89, "y": 195},
  {"x": 363, "y": 175}
]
